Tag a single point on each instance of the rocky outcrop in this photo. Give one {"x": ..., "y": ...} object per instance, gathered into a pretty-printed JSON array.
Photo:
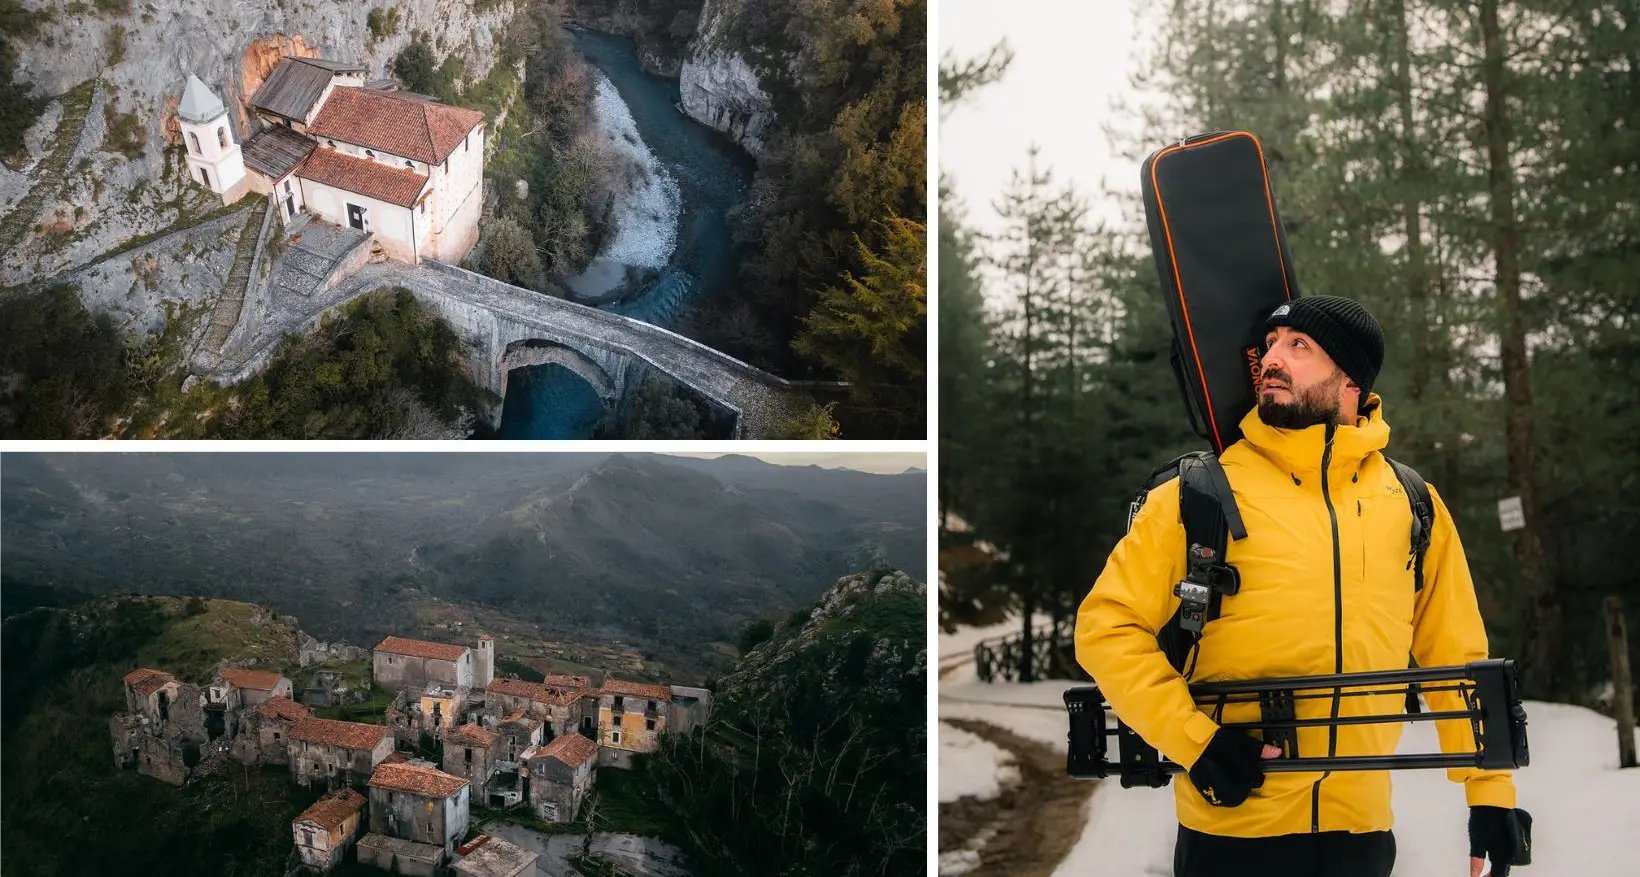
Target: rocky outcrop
[
  {"x": 118, "y": 180},
  {"x": 719, "y": 88},
  {"x": 862, "y": 644}
]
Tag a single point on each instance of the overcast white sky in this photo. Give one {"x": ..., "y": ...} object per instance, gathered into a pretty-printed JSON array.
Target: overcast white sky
[{"x": 1070, "y": 59}]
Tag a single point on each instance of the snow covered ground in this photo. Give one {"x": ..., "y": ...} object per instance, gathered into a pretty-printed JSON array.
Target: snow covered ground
[
  {"x": 646, "y": 214},
  {"x": 1585, "y": 811},
  {"x": 978, "y": 769}
]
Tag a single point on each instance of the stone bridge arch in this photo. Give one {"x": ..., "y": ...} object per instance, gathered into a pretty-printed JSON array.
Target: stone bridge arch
[{"x": 535, "y": 351}]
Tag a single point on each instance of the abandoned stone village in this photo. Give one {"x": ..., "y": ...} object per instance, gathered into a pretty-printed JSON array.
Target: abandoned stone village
[{"x": 507, "y": 743}]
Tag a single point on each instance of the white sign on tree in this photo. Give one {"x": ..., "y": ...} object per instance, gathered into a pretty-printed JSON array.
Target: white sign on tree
[{"x": 1510, "y": 514}]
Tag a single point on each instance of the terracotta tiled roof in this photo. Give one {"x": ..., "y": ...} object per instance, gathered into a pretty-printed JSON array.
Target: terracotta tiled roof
[
  {"x": 536, "y": 691},
  {"x": 637, "y": 689},
  {"x": 471, "y": 734},
  {"x": 573, "y": 750},
  {"x": 567, "y": 681},
  {"x": 421, "y": 130},
  {"x": 148, "y": 681},
  {"x": 398, "y": 186},
  {"x": 260, "y": 680},
  {"x": 416, "y": 780},
  {"x": 284, "y": 708},
  {"x": 330, "y": 732},
  {"x": 521, "y": 718},
  {"x": 416, "y": 648},
  {"x": 397, "y": 758},
  {"x": 333, "y": 809}
]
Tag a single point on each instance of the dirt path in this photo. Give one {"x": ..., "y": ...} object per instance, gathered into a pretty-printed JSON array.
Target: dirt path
[{"x": 1032, "y": 825}]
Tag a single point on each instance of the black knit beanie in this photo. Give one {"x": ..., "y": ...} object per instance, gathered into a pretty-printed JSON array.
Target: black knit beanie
[{"x": 1343, "y": 328}]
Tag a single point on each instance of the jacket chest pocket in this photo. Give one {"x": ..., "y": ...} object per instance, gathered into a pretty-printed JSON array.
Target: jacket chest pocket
[{"x": 1387, "y": 572}]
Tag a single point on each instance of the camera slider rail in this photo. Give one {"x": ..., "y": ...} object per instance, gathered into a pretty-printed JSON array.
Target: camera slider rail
[{"x": 1489, "y": 690}]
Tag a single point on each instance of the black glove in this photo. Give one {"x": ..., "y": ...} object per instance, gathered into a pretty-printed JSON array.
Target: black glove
[
  {"x": 1230, "y": 768},
  {"x": 1501, "y": 834}
]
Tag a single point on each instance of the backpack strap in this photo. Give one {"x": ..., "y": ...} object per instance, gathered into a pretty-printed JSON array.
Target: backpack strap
[
  {"x": 1208, "y": 510},
  {"x": 1423, "y": 515},
  {"x": 1423, "y": 524}
]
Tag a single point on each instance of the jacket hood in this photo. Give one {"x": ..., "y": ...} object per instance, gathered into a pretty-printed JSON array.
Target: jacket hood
[{"x": 1299, "y": 451}]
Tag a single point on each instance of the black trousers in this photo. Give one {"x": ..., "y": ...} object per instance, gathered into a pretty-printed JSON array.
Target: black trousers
[{"x": 1324, "y": 854}]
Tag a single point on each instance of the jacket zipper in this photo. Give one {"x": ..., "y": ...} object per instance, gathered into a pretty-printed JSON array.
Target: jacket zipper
[{"x": 1338, "y": 627}]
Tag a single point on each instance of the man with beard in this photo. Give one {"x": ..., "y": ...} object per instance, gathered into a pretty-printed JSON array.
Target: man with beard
[{"x": 1327, "y": 585}]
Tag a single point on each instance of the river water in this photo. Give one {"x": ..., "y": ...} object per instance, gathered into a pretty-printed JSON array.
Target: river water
[{"x": 710, "y": 175}]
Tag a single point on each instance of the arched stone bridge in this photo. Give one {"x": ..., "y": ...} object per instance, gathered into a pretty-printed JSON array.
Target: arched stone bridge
[
  {"x": 523, "y": 354},
  {"x": 506, "y": 327}
]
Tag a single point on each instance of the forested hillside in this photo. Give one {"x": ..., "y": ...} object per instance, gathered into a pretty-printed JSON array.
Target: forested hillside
[{"x": 1469, "y": 171}]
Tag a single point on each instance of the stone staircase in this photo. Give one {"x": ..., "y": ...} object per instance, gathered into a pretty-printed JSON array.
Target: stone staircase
[
  {"x": 225, "y": 315},
  {"x": 47, "y": 177},
  {"x": 306, "y": 265}
]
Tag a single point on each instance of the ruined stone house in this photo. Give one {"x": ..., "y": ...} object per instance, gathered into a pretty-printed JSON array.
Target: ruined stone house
[
  {"x": 440, "y": 708},
  {"x": 560, "y": 775},
  {"x": 324, "y": 831},
  {"x": 163, "y": 731},
  {"x": 399, "y": 664},
  {"x": 243, "y": 686},
  {"x": 487, "y": 856},
  {"x": 151, "y": 693},
  {"x": 332, "y": 753},
  {"x": 327, "y": 688},
  {"x": 265, "y": 734},
  {"x": 426, "y": 807},
  {"x": 691, "y": 707},
  {"x": 519, "y": 732},
  {"x": 631, "y": 718},
  {"x": 470, "y": 752},
  {"x": 561, "y": 708}
]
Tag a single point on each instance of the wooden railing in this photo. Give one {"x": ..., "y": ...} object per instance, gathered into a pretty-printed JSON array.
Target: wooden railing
[{"x": 1003, "y": 658}]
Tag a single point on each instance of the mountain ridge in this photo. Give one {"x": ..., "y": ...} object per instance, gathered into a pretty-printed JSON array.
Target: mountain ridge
[{"x": 661, "y": 550}]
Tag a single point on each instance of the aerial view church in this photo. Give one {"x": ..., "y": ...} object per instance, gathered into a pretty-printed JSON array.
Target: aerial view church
[{"x": 403, "y": 167}]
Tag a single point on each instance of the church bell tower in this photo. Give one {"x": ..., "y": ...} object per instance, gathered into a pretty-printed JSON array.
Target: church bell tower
[{"x": 207, "y": 136}]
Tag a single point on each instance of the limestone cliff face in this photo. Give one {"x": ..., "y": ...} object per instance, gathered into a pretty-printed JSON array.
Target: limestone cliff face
[
  {"x": 719, "y": 88},
  {"x": 97, "y": 173}
]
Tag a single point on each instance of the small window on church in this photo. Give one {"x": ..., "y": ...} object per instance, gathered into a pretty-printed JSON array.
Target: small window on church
[
  {"x": 222, "y": 137},
  {"x": 369, "y": 154},
  {"x": 331, "y": 144},
  {"x": 287, "y": 187},
  {"x": 193, "y": 140},
  {"x": 412, "y": 165}
]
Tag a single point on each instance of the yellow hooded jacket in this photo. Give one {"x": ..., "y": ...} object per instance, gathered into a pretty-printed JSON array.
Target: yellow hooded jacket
[{"x": 1327, "y": 586}]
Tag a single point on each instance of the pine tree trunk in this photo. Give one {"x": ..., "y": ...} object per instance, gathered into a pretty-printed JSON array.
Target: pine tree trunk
[
  {"x": 1412, "y": 224},
  {"x": 1543, "y": 623},
  {"x": 1027, "y": 389}
]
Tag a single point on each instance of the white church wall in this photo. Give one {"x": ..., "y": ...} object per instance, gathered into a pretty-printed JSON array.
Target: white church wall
[
  {"x": 287, "y": 194},
  {"x": 390, "y": 223},
  {"x": 461, "y": 181}
]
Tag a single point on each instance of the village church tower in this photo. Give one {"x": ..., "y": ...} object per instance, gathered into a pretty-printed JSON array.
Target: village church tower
[{"x": 207, "y": 134}]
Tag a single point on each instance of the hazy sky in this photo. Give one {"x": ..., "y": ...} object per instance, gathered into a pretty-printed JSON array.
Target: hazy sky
[
  {"x": 883, "y": 464},
  {"x": 1070, "y": 59}
]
